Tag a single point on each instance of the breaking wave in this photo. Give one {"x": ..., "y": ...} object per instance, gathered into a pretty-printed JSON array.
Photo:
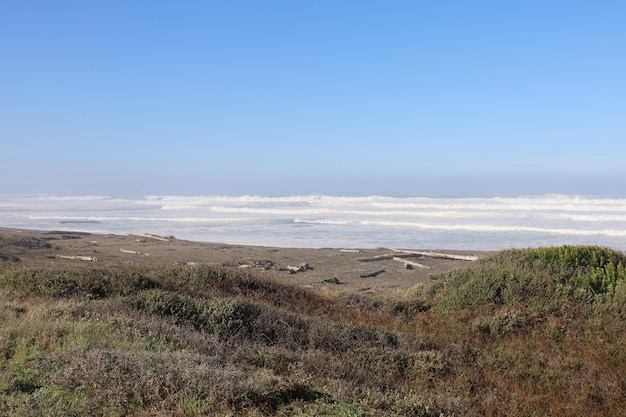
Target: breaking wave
[{"x": 474, "y": 222}]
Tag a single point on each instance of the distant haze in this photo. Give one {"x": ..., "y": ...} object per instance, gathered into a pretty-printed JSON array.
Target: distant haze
[{"x": 165, "y": 183}]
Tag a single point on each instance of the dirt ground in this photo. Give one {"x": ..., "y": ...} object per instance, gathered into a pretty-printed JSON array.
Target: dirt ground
[{"x": 329, "y": 269}]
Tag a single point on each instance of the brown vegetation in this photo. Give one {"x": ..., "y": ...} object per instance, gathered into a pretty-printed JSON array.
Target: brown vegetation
[{"x": 518, "y": 333}]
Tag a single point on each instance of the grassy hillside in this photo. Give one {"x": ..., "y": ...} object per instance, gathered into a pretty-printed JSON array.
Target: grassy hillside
[{"x": 522, "y": 332}]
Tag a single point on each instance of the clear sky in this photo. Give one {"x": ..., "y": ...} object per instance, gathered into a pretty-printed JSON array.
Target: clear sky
[{"x": 302, "y": 96}]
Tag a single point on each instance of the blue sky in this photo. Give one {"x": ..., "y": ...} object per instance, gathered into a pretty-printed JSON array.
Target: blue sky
[{"x": 299, "y": 97}]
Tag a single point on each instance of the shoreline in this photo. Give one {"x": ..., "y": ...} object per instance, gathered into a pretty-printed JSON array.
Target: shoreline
[
  {"x": 474, "y": 223},
  {"x": 324, "y": 269}
]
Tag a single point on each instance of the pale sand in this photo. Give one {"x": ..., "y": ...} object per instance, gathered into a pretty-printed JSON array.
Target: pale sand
[{"x": 335, "y": 264}]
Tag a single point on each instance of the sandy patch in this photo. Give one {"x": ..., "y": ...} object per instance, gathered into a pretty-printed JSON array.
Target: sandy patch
[{"x": 330, "y": 269}]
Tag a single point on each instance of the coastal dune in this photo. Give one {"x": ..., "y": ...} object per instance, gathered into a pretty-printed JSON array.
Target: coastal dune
[{"x": 106, "y": 324}]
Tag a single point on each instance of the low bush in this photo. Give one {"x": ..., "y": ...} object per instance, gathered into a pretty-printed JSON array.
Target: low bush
[
  {"x": 502, "y": 323},
  {"x": 23, "y": 243},
  {"x": 541, "y": 279},
  {"x": 597, "y": 268},
  {"x": 221, "y": 316},
  {"x": 78, "y": 282},
  {"x": 209, "y": 280}
]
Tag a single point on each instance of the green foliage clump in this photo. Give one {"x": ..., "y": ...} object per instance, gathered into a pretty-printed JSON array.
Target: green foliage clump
[
  {"x": 605, "y": 278},
  {"x": 505, "y": 322},
  {"x": 228, "y": 318},
  {"x": 599, "y": 268},
  {"x": 430, "y": 362},
  {"x": 504, "y": 279},
  {"x": 543, "y": 279},
  {"x": 613, "y": 302},
  {"x": 204, "y": 279},
  {"x": 63, "y": 283},
  {"x": 23, "y": 243},
  {"x": 576, "y": 256},
  {"x": 222, "y": 316}
]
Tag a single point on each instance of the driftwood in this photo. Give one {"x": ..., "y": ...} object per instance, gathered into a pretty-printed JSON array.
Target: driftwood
[
  {"x": 266, "y": 265},
  {"x": 411, "y": 264},
  {"x": 390, "y": 256},
  {"x": 303, "y": 267},
  {"x": 439, "y": 255},
  {"x": 376, "y": 258},
  {"x": 372, "y": 274},
  {"x": 382, "y": 257},
  {"x": 133, "y": 252},
  {"x": 155, "y": 237},
  {"x": 349, "y": 250},
  {"x": 80, "y": 258}
]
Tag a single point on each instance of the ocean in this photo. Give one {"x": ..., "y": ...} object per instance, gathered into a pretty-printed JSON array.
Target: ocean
[{"x": 315, "y": 221}]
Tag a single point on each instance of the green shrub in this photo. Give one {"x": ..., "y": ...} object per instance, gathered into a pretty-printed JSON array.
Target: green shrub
[
  {"x": 598, "y": 268},
  {"x": 228, "y": 318},
  {"x": 606, "y": 277},
  {"x": 577, "y": 256},
  {"x": 205, "y": 279},
  {"x": 504, "y": 322},
  {"x": 388, "y": 366},
  {"x": 613, "y": 301},
  {"x": 226, "y": 280},
  {"x": 23, "y": 243},
  {"x": 542, "y": 279},
  {"x": 90, "y": 283},
  {"x": 430, "y": 362},
  {"x": 504, "y": 279},
  {"x": 224, "y": 317},
  {"x": 164, "y": 303}
]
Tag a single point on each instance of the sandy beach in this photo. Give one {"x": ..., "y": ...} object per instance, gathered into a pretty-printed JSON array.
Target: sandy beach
[{"x": 328, "y": 269}]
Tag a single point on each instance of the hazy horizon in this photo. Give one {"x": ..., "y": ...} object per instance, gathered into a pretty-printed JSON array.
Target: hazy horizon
[{"x": 460, "y": 186}]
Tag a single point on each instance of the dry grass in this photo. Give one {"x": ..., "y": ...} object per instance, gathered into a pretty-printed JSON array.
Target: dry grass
[{"x": 513, "y": 335}]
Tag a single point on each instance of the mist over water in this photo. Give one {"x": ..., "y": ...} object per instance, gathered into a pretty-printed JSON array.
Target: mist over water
[{"x": 479, "y": 223}]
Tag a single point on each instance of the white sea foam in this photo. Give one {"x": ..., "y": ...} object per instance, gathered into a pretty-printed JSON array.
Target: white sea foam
[
  {"x": 492, "y": 228},
  {"x": 316, "y": 221},
  {"x": 195, "y": 220},
  {"x": 322, "y": 221}
]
